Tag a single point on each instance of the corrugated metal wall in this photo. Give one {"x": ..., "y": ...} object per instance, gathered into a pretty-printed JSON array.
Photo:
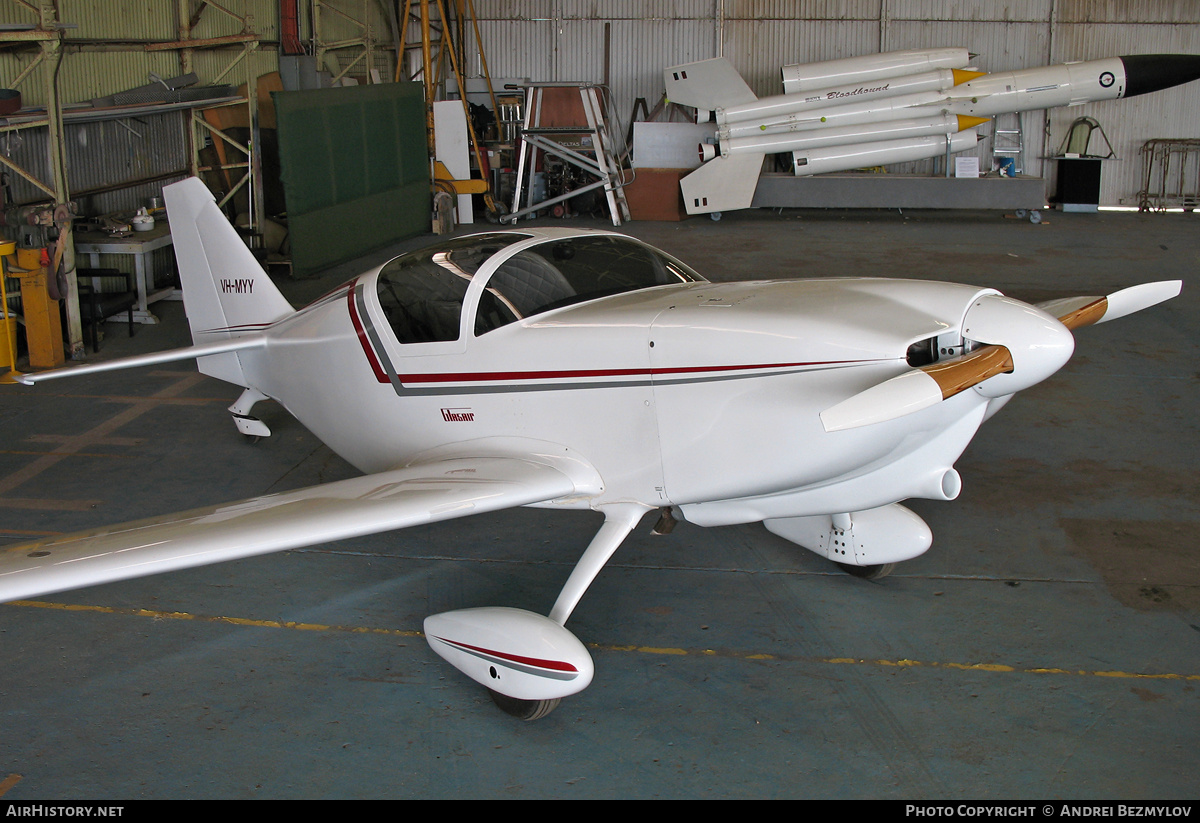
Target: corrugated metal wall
[
  {"x": 110, "y": 48},
  {"x": 550, "y": 40},
  {"x": 547, "y": 40},
  {"x": 103, "y": 155},
  {"x": 1090, "y": 29},
  {"x": 104, "y": 52}
]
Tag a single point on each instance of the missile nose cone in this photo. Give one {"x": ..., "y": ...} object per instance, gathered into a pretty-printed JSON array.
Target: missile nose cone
[{"x": 1145, "y": 73}]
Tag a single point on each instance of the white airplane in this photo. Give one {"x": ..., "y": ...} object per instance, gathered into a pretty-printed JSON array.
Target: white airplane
[{"x": 579, "y": 369}]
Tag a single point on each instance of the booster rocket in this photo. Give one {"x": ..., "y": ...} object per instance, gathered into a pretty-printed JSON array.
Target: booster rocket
[{"x": 880, "y": 108}]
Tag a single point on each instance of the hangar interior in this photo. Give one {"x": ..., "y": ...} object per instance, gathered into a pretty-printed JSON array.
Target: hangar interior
[{"x": 1046, "y": 645}]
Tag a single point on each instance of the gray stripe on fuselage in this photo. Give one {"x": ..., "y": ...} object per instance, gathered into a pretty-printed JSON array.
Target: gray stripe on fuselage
[
  {"x": 512, "y": 388},
  {"x": 376, "y": 343},
  {"x": 549, "y": 674}
]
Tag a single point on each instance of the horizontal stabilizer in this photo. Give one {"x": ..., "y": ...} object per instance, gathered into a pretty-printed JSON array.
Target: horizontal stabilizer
[
  {"x": 153, "y": 359},
  {"x": 722, "y": 184},
  {"x": 709, "y": 84}
]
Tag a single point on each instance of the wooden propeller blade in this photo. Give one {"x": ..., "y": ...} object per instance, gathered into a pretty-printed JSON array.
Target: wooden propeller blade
[
  {"x": 1085, "y": 315},
  {"x": 970, "y": 370},
  {"x": 917, "y": 389},
  {"x": 1075, "y": 312}
]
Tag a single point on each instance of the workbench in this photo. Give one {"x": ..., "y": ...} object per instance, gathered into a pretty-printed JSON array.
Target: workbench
[{"x": 141, "y": 245}]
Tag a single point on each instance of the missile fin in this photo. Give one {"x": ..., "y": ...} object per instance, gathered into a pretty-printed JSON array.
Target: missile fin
[
  {"x": 709, "y": 84},
  {"x": 722, "y": 184},
  {"x": 963, "y": 76}
]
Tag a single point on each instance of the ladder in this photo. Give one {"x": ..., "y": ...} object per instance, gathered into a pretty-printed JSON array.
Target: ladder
[
  {"x": 1009, "y": 142},
  {"x": 538, "y": 133}
]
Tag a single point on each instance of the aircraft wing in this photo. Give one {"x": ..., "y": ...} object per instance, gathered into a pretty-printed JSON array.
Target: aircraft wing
[{"x": 425, "y": 493}]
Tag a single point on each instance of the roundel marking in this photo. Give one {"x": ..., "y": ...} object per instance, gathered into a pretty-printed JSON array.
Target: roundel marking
[{"x": 1107, "y": 79}]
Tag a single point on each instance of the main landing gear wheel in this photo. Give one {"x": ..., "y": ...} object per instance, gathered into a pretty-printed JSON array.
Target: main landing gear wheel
[
  {"x": 868, "y": 572},
  {"x": 524, "y": 709}
]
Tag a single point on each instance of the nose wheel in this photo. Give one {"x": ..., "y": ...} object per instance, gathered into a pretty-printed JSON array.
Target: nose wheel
[
  {"x": 868, "y": 572},
  {"x": 524, "y": 709}
]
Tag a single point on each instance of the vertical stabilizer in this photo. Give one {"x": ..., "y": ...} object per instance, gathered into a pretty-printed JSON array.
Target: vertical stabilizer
[{"x": 225, "y": 291}]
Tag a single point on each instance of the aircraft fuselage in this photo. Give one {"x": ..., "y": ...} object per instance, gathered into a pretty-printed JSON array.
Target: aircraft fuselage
[{"x": 666, "y": 391}]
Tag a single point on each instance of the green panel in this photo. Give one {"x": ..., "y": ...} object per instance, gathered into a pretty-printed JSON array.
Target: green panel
[{"x": 355, "y": 170}]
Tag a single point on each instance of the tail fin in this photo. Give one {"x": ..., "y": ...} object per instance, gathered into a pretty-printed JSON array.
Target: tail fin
[
  {"x": 710, "y": 84},
  {"x": 722, "y": 184},
  {"x": 225, "y": 291}
]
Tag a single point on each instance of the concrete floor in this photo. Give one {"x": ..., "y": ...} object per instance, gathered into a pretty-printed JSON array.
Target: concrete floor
[{"x": 1047, "y": 646}]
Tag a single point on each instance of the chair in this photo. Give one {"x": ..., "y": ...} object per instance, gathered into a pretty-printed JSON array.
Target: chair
[{"x": 96, "y": 305}]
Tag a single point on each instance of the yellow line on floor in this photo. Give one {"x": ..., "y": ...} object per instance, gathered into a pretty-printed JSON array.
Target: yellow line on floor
[
  {"x": 234, "y": 621},
  {"x": 653, "y": 650},
  {"x": 8, "y": 782},
  {"x": 99, "y": 432},
  {"x": 100, "y": 455}
]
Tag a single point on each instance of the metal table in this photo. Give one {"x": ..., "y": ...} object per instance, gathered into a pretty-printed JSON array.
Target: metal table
[{"x": 141, "y": 245}]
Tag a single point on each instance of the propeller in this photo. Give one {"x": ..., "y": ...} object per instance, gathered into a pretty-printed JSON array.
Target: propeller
[
  {"x": 917, "y": 389},
  {"x": 1022, "y": 345},
  {"x": 1075, "y": 312}
]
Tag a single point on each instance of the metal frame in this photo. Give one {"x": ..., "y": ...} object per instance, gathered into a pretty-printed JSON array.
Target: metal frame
[
  {"x": 1169, "y": 166},
  {"x": 48, "y": 33},
  {"x": 533, "y": 137}
]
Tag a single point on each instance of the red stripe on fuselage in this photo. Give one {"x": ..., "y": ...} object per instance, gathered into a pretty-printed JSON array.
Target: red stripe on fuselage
[
  {"x": 552, "y": 665},
  {"x": 478, "y": 377},
  {"x": 564, "y": 375},
  {"x": 362, "y": 339}
]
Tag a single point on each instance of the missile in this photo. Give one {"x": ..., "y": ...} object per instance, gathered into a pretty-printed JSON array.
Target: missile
[
  {"x": 846, "y": 114},
  {"x": 881, "y": 153},
  {"x": 869, "y": 68},
  {"x": 879, "y": 130},
  {"x": 1072, "y": 84},
  {"x": 728, "y": 182},
  {"x": 762, "y": 113},
  {"x": 880, "y": 109}
]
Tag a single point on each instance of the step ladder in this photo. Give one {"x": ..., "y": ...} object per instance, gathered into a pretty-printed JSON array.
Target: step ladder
[
  {"x": 601, "y": 163},
  {"x": 1008, "y": 140}
]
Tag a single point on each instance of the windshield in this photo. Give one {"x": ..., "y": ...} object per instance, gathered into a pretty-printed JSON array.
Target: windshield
[
  {"x": 422, "y": 292},
  {"x": 564, "y": 272}
]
